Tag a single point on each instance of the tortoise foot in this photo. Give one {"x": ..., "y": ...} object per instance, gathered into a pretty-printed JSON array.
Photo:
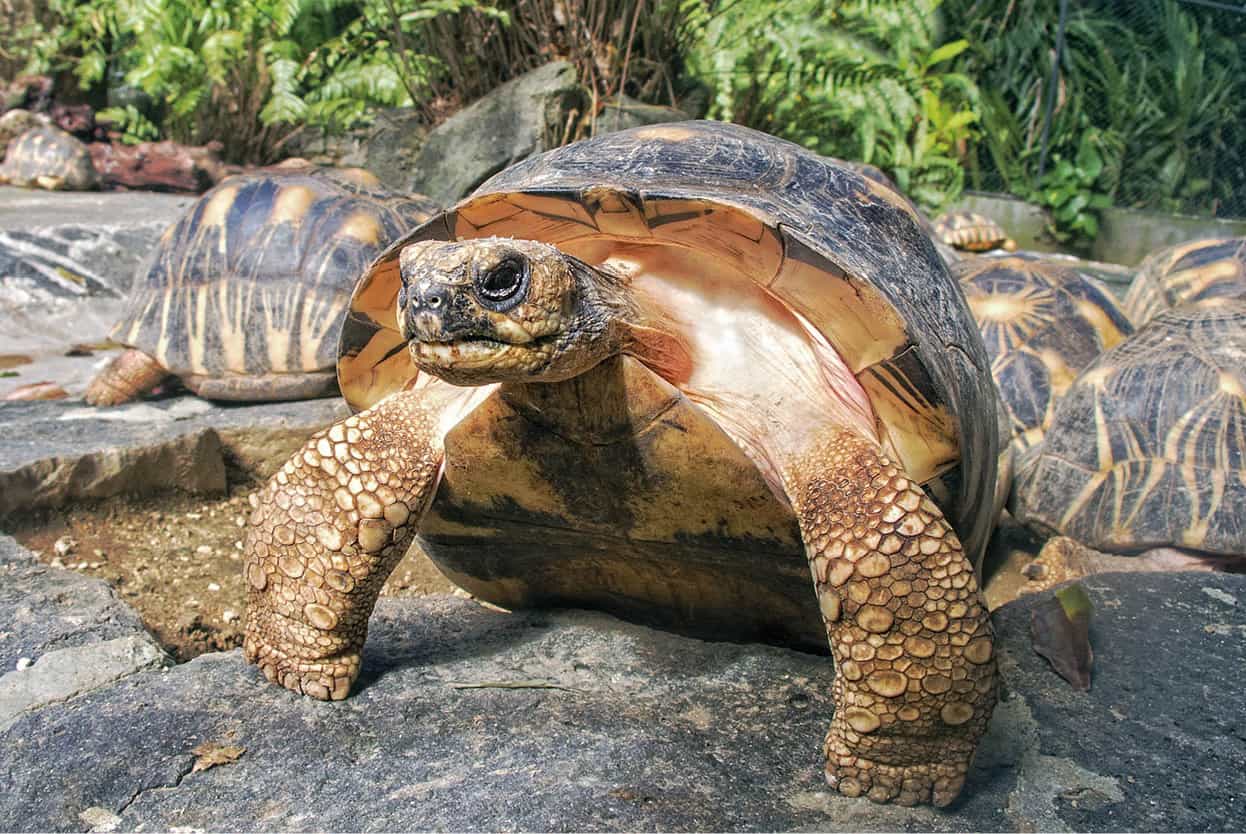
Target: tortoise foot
[
  {"x": 326, "y": 678},
  {"x": 935, "y": 782}
]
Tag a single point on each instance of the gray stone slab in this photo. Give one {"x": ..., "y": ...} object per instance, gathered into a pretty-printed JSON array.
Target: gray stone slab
[
  {"x": 44, "y": 609},
  {"x": 55, "y": 452},
  {"x": 21, "y": 208},
  {"x": 650, "y": 731},
  {"x": 61, "y": 635},
  {"x": 67, "y": 261}
]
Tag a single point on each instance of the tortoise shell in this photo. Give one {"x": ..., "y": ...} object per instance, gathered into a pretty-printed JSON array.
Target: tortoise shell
[
  {"x": 843, "y": 252},
  {"x": 48, "y": 157},
  {"x": 1148, "y": 447},
  {"x": 255, "y": 277},
  {"x": 1042, "y": 321},
  {"x": 972, "y": 232},
  {"x": 1203, "y": 272}
]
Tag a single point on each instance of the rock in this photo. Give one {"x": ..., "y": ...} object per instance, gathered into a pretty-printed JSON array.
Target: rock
[
  {"x": 30, "y": 92},
  {"x": 62, "y": 451},
  {"x": 623, "y": 112},
  {"x": 48, "y": 616},
  {"x": 66, "y": 263},
  {"x": 524, "y": 116},
  {"x": 157, "y": 166},
  {"x": 471, "y": 719},
  {"x": 347, "y": 150},
  {"x": 75, "y": 119}
]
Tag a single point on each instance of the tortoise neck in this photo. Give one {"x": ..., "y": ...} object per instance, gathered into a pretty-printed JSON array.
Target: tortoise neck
[{"x": 615, "y": 399}]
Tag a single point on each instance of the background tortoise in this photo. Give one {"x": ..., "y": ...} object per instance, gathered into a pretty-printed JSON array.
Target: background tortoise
[
  {"x": 698, "y": 362},
  {"x": 971, "y": 232},
  {"x": 1202, "y": 272},
  {"x": 48, "y": 157},
  {"x": 1042, "y": 321},
  {"x": 1148, "y": 447},
  {"x": 243, "y": 297}
]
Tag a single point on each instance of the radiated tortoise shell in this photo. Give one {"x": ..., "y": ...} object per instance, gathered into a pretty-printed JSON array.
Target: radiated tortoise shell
[
  {"x": 1202, "y": 272},
  {"x": 971, "y": 232},
  {"x": 48, "y": 157},
  {"x": 1042, "y": 321},
  {"x": 1148, "y": 447},
  {"x": 843, "y": 252},
  {"x": 243, "y": 297}
]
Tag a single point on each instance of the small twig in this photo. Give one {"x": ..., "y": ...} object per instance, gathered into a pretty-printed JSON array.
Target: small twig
[{"x": 520, "y": 684}]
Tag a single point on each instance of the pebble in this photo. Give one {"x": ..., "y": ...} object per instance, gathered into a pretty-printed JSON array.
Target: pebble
[
  {"x": 97, "y": 553},
  {"x": 203, "y": 550},
  {"x": 64, "y": 546},
  {"x": 229, "y": 615},
  {"x": 194, "y": 516},
  {"x": 212, "y": 586},
  {"x": 24, "y": 663}
]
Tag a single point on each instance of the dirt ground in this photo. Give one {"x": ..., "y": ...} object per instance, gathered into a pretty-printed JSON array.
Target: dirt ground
[{"x": 178, "y": 561}]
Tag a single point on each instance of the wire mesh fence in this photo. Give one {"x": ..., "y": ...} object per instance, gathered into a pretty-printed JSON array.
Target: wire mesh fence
[{"x": 1141, "y": 101}]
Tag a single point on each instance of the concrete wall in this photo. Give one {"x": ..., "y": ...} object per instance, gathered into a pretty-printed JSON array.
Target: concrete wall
[{"x": 1125, "y": 236}]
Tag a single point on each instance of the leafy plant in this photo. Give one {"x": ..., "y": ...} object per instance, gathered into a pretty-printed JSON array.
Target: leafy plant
[
  {"x": 862, "y": 79},
  {"x": 1162, "y": 85},
  {"x": 1070, "y": 191}
]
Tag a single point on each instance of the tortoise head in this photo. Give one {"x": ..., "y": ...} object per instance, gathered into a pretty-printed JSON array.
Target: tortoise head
[{"x": 500, "y": 310}]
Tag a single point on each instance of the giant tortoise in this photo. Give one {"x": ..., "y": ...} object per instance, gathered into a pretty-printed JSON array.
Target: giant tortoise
[
  {"x": 670, "y": 372},
  {"x": 244, "y": 296}
]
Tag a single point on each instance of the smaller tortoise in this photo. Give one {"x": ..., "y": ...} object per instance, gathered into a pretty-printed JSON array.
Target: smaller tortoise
[
  {"x": 48, "y": 157},
  {"x": 1042, "y": 321},
  {"x": 1203, "y": 272},
  {"x": 971, "y": 232},
  {"x": 1147, "y": 449},
  {"x": 243, "y": 297}
]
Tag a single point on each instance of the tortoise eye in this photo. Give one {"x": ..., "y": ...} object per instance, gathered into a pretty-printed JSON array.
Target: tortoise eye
[{"x": 503, "y": 283}]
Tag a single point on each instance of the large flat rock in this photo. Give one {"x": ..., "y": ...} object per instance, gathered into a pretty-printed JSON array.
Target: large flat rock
[
  {"x": 61, "y": 451},
  {"x": 67, "y": 261},
  {"x": 645, "y": 731},
  {"x": 61, "y": 635}
]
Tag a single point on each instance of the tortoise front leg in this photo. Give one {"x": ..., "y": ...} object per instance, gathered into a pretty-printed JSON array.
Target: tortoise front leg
[
  {"x": 326, "y": 532},
  {"x": 915, "y": 678}
]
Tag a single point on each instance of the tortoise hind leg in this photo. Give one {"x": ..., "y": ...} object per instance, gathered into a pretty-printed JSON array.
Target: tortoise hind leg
[
  {"x": 128, "y": 375},
  {"x": 915, "y": 672}
]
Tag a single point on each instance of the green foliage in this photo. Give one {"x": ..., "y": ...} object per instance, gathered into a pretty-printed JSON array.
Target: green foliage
[
  {"x": 133, "y": 126},
  {"x": 1160, "y": 86},
  {"x": 1070, "y": 191},
  {"x": 859, "y": 79},
  {"x": 244, "y": 73}
]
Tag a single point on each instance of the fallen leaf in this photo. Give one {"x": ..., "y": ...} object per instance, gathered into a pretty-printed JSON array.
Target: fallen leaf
[
  {"x": 36, "y": 391},
  {"x": 213, "y": 753},
  {"x": 1060, "y": 632},
  {"x": 13, "y": 360}
]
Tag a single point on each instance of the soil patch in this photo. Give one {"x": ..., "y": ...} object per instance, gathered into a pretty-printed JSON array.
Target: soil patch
[{"x": 178, "y": 561}]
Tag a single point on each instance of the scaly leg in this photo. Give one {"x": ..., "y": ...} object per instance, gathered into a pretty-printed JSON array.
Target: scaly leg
[
  {"x": 129, "y": 374},
  {"x": 326, "y": 532},
  {"x": 915, "y": 678}
]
